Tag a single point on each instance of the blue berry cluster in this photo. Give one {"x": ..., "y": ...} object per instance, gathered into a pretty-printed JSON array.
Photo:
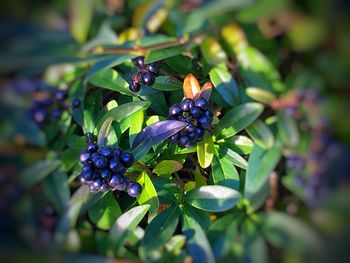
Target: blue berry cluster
[
  {"x": 50, "y": 106},
  {"x": 104, "y": 168},
  {"x": 198, "y": 116},
  {"x": 146, "y": 73}
]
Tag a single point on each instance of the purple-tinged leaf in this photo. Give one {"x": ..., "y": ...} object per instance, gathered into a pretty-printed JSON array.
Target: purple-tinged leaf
[{"x": 158, "y": 132}]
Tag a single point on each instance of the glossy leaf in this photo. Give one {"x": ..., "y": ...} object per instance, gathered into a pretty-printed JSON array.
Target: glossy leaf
[
  {"x": 213, "y": 198},
  {"x": 205, "y": 151},
  {"x": 206, "y": 90},
  {"x": 261, "y": 134},
  {"x": 260, "y": 95},
  {"x": 167, "y": 167},
  {"x": 148, "y": 194},
  {"x": 231, "y": 156},
  {"x": 110, "y": 79},
  {"x": 239, "y": 143},
  {"x": 224, "y": 173},
  {"x": 212, "y": 51},
  {"x": 80, "y": 15},
  {"x": 260, "y": 164},
  {"x": 160, "y": 54},
  {"x": 287, "y": 129},
  {"x": 225, "y": 84},
  {"x": 125, "y": 225},
  {"x": 238, "y": 119},
  {"x": 165, "y": 83},
  {"x": 196, "y": 240}
]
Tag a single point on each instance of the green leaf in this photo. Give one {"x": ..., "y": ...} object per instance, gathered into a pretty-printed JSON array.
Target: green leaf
[
  {"x": 165, "y": 83},
  {"x": 205, "y": 151},
  {"x": 104, "y": 131},
  {"x": 57, "y": 189},
  {"x": 238, "y": 119},
  {"x": 213, "y": 198},
  {"x": 110, "y": 79},
  {"x": 160, "y": 54},
  {"x": 225, "y": 84},
  {"x": 136, "y": 126},
  {"x": 37, "y": 172},
  {"x": 158, "y": 232},
  {"x": 80, "y": 15},
  {"x": 212, "y": 51},
  {"x": 105, "y": 212},
  {"x": 148, "y": 194},
  {"x": 109, "y": 62},
  {"x": 287, "y": 129},
  {"x": 224, "y": 173},
  {"x": 167, "y": 167},
  {"x": 124, "y": 226},
  {"x": 260, "y": 164},
  {"x": 199, "y": 16},
  {"x": 196, "y": 241},
  {"x": 231, "y": 156},
  {"x": 260, "y": 95},
  {"x": 285, "y": 231},
  {"x": 239, "y": 143},
  {"x": 261, "y": 134},
  {"x": 123, "y": 111},
  {"x": 199, "y": 179}
]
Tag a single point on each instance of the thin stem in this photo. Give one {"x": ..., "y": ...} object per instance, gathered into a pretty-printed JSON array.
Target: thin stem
[{"x": 144, "y": 168}]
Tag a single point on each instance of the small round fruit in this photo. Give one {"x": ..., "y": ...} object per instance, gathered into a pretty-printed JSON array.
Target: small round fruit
[
  {"x": 104, "y": 187},
  {"x": 199, "y": 133},
  {"x": 202, "y": 103},
  {"x": 61, "y": 94},
  {"x": 39, "y": 116},
  {"x": 93, "y": 188},
  {"x": 154, "y": 68},
  {"x": 47, "y": 102},
  {"x": 195, "y": 112},
  {"x": 127, "y": 159},
  {"x": 134, "y": 86},
  {"x": 118, "y": 182},
  {"x": 107, "y": 152},
  {"x": 56, "y": 113},
  {"x": 192, "y": 136},
  {"x": 105, "y": 174},
  {"x": 184, "y": 140},
  {"x": 204, "y": 122},
  {"x": 134, "y": 189},
  {"x": 187, "y": 104},
  {"x": 208, "y": 113},
  {"x": 86, "y": 167},
  {"x": 139, "y": 61},
  {"x": 76, "y": 103},
  {"x": 175, "y": 138},
  {"x": 97, "y": 183},
  {"x": 92, "y": 147},
  {"x": 86, "y": 177},
  {"x": 175, "y": 110},
  {"x": 113, "y": 164},
  {"x": 100, "y": 161},
  {"x": 121, "y": 169},
  {"x": 84, "y": 157},
  {"x": 148, "y": 78},
  {"x": 117, "y": 152},
  {"x": 190, "y": 127}
]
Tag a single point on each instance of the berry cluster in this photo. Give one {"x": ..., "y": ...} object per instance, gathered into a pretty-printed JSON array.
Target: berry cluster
[
  {"x": 49, "y": 106},
  {"x": 104, "y": 168},
  {"x": 146, "y": 73},
  {"x": 198, "y": 116}
]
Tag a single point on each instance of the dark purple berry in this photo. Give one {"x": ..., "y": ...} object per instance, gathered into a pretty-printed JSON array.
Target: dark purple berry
[
  {"x": 107, "y": 152},
  {"x": 92, "y": 147},
  {"x": 121, "y": 169},
  {"x": 56, "y": 113},
  {"x": 86, "y": 167},
  {"x": 175, "y": 110},
  {"x": 153, "y": 68},
  {"x": 84, "y": 157},
  {"x": 175, "y": 138},
  {"x": 192, "y": 136},
  {"x": 208, "y": 113},
  {"x": 117, "y": 152},
  {"x": 199, "y": 133},
  {"x": 148, "y": 78},
  {"x": 39, "y": 116},
  {"x": 190, "y": 127},
  {"x": 118, "y": 182},
  {"x": 100, "y": 161},
  {"x": 127, "y": 159},
  {"x": 93, "y": 188},
  {"x": 204, "y": 122},
  {"x": 104, "y": 187},
  {"x": 113, "y": 164},
  {"x": 187, "y": 104},
  {"x": 134, "y": 189},
  {"x": 139, "y": 61},
  {"x": 196, "y": 112},
  {"x": 61, "y": 94},
  {"x": 35, "y": 104},
  {"x": 47, "y": 102},
  {"x": 184, "y": 141},
  {"x": 105, "y": 174},
  {"x": 97, "y": 183},
  {"x": 202, "y": 103},
  {"x": 86, "y": 177},
  {"x": 76, "y": 103}
]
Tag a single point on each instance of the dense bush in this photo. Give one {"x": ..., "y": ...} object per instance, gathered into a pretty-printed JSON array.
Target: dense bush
[{"x": 158, "y": 131}]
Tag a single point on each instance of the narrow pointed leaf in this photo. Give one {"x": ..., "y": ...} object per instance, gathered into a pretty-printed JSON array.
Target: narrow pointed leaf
[
  {"x": 205, "y": 151},
  {"x": 191, "y": 86}
]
